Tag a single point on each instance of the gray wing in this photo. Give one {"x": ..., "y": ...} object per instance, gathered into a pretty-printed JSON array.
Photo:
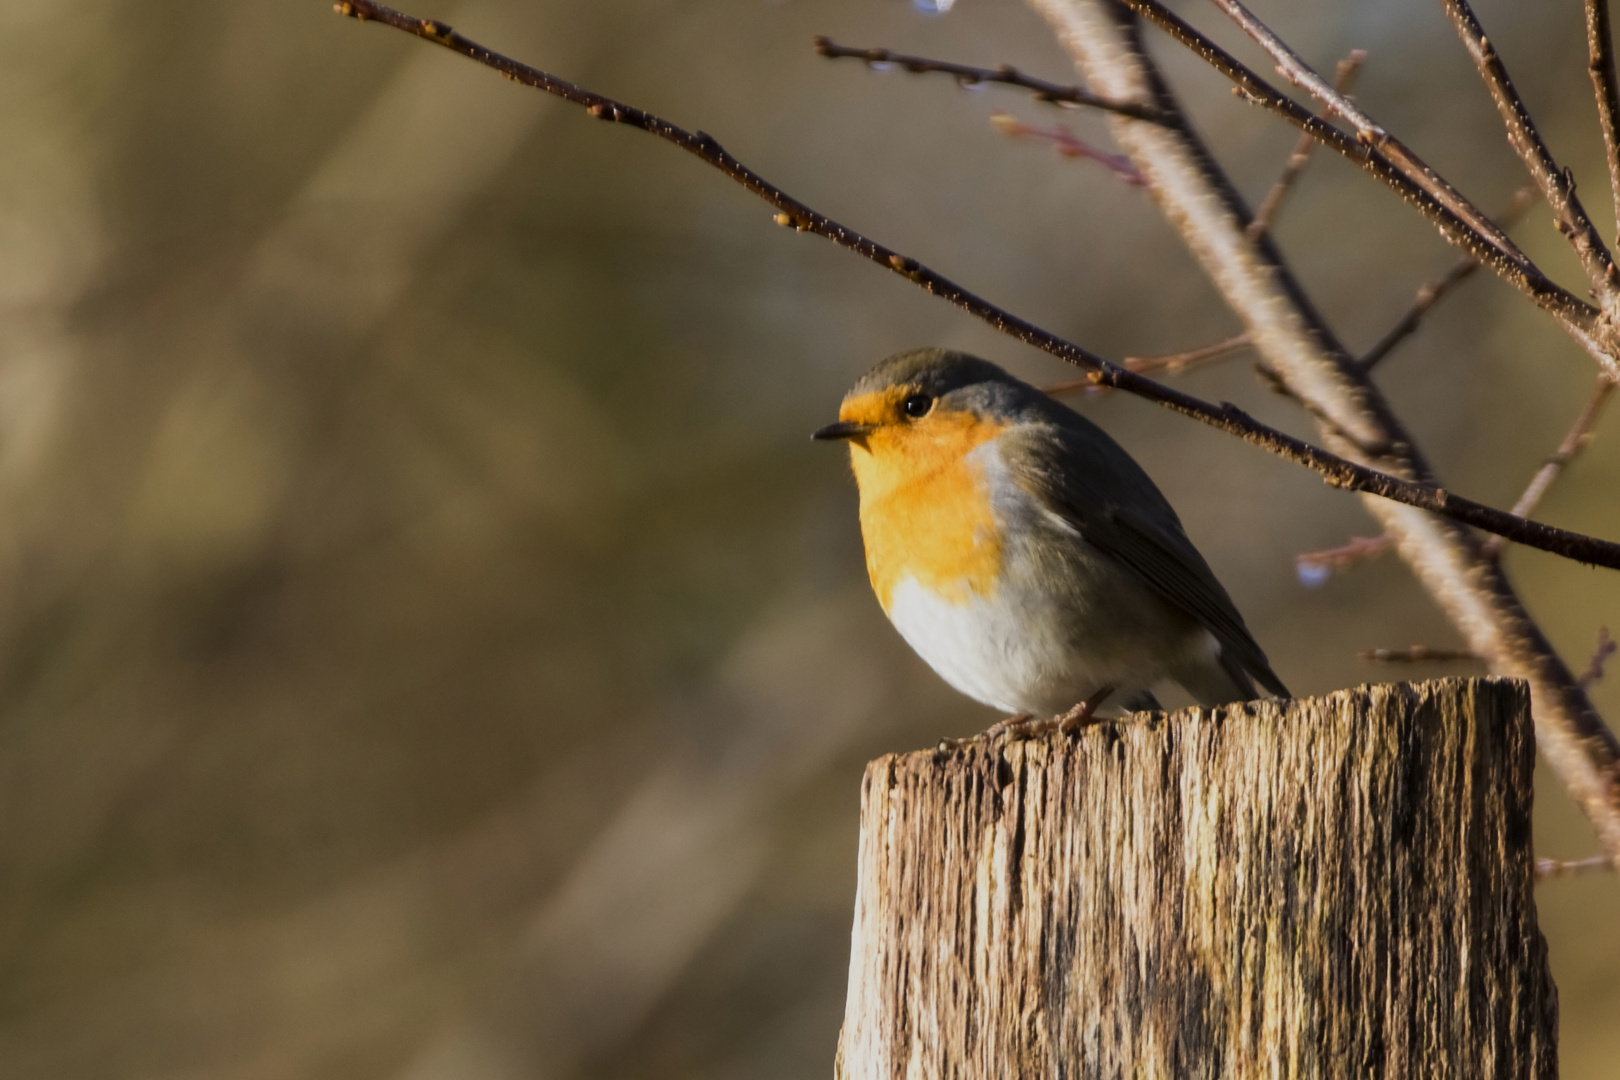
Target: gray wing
[{"x": 1087, "y": 479}]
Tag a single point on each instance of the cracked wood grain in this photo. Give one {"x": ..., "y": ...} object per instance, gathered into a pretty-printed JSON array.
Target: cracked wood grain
[{"x": 1322, "y": 887}]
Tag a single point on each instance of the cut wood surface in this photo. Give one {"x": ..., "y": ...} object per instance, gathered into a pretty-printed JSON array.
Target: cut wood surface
[{"x": 1324, "y": 887}]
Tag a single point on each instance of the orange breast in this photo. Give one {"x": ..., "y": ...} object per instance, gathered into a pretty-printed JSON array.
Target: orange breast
[{"x": 925, "y": 507}]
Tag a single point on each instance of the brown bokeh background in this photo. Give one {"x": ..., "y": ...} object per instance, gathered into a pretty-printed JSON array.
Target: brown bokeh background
[{"x": 430, "y": 646}]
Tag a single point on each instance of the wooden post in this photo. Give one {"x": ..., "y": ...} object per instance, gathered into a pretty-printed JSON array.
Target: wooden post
[{"x": 1328, "y": 887}]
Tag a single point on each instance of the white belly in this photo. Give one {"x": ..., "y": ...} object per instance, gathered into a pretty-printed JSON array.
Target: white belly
[
  {"x": 1003, "y": 650},
  {"x": 1024, "y": 649}
]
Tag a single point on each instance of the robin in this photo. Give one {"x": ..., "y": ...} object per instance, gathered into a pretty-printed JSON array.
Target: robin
[{"x": 1024, "y": 554}]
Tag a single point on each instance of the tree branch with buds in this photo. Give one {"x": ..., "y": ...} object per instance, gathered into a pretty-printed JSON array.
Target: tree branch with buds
[
  {"x": 1384, "y": 157},
  {"x": 1336, "y": 470},
  {"x": 1304, "y": 357}
]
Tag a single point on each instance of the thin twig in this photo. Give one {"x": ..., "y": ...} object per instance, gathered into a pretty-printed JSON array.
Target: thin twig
[
  {"x": 1335, "y": 470},
  {"x": 1069, "y": 145},
  {"x": 1600, "y": 48},
  {"x": 1170, "y": 363},
  {"x": 1415, "y": 654},
  {"x": 1005, "y": 74},
  {"x": 1343, "y": 79},
  {"x": 1577, "y": 318},
  {"x": 1606, "y": 648},
  {"x": 1274, "y": 381},
  {"x": 1296, "y": 71},
  {"x": 1557, "y": 868},
  {"x": 1575, "y": 440},
  {"x": 1557, "y": 184},
  {"x": 1315, "y": 567},
  {"x": 1430, "y": 292}
]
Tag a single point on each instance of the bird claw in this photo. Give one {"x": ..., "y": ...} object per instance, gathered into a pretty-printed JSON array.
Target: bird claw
[
  {"x": 989, "y": 734},
  {"x": 1024, "y": 726},
  {"x": 1012, "y": 723},
  {"x": 1066, "y": 723},
  {"x": 1084, "y": 714}
]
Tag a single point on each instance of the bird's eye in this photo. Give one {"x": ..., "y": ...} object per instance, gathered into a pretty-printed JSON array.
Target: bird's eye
[{"x": 917, "y": 405}]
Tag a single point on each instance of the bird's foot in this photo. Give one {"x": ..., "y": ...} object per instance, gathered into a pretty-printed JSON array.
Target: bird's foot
[
  {"x": 1011, "y": 723},
  {"x": 994, "y": 731},
  {"x": 1024, "y": 726},
  {"x": 1082, "y": 715}
]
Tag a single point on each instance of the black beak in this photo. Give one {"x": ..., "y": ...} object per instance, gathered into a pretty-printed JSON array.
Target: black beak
[{"x": 843, "y": 429}]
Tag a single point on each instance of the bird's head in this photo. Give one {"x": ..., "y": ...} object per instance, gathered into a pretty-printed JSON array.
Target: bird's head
[{"x": 923, "y": 410}]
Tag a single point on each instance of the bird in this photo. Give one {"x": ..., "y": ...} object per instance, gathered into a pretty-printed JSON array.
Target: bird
[{"x": 1025, "y": 555}]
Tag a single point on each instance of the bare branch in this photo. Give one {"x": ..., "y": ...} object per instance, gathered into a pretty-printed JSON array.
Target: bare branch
[
  {"x": 1344, "y": 78},
  {"x": 1600, "y": 47},
  {"x": 1415, "y": 654},
  {"x": 1299, "y": 349},
  {"x": 1274, "y": 381},
  {"x": 1170, "y": 363},
  {"x": 1606, "y": 648},
  {"x": 1315, "y": 567},
  {"x": 1556, "y": 184},
  {"x": 1578, "y": 318},
  {"x": 1068, "y": 145},
  {"x": 1430, "y": 292},
  {"x": 1006, "y": 75},
  {"x": 1557, "y": 868},
  {"x": 1335, "y": 470},
  {"x": 1392, "y": 149},
  {"x": 1575, "y": 440}
]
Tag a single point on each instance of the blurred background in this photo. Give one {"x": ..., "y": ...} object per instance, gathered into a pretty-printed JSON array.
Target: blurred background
[{"x": 430, "y": 644}]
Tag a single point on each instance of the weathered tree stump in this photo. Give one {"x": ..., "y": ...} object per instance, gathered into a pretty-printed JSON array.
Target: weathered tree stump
[{"x": 1329, "y": 887}]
